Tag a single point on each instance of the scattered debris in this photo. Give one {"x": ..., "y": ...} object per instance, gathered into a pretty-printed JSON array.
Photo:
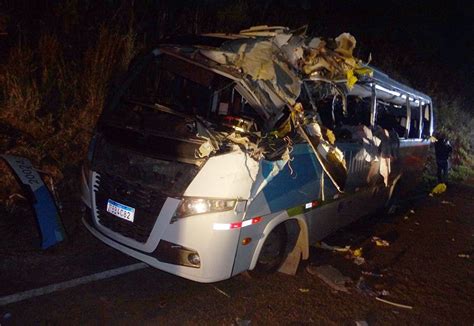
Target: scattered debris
[
  {"x": 303, "y": 290},
  {"x": 438, "y": 189},
  {"x": 393, "y": 209},
  {"x": 52, "y": 231},
  {"x": 357, "y": 252},
  {"x": 412, "y": 211},
  {"x": 380, "y": 242},
  {"x": 445, "y": 202},
  {"x": 416, "y": 223},
  {"x": 356, "y": 256},
  {"x": 393, "y": 303},
  {"x": 405, "y": 217},
  {"x": 384, "y": 293},
  {"x": 361, "y": 323},
  {"x": 364, "y": 288},
  {"x": 220, "y": 291},
  {"x": 372, "y": 274},
  {"x": 359, "y": 260},
  {"x": 448, "y": 221},
  {"x": 467, "y": 256},
  {"x": 331, "y": 276},
  {"x": 324, "y": 245}
]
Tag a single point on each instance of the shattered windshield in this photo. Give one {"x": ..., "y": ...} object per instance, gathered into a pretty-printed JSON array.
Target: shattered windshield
[{"x": 169, "y": 92}]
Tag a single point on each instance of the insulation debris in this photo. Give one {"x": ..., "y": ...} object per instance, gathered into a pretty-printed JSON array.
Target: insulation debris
[
  {"x": 276, "y": 61},
  {"x": 296, "y": 84},
  {"x": 380, "y": 242}
]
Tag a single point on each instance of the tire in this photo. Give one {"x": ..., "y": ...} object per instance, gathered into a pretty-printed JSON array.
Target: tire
[{"x": 273, "y": 253}]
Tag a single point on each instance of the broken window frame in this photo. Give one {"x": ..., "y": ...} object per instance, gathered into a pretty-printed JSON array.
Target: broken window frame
[
  {"x": 340, "y": 90},
  {"x": 427, "y": 128},
  {"x": 237, "y": 85},
  {"x": 416, "y": 111},
  {"x": 392, "y": 112},
  {"x": 373, "y": 106}
]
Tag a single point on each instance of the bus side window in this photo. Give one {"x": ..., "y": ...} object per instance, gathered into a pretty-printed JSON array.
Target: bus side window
[
  {"x": 391, "y": 117},
  {"x": 358, "y": 111},
  {"x": 426, "y": 120},
  {"x": 415, "y": 122},
  {"x": 403, "y": 124}
]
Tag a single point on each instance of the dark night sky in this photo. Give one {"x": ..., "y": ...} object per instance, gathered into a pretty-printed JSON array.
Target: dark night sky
[
  {"x": 442, "y": 32},
  {"x": 439, "y": 35},
  {"x": 422, "y": 40}
]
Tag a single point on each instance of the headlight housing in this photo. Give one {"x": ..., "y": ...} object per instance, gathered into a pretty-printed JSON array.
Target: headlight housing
[{"x": 195, "y": 206}]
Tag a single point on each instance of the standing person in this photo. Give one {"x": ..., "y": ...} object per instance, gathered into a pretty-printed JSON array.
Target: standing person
[{"x": 443, "y": 151}]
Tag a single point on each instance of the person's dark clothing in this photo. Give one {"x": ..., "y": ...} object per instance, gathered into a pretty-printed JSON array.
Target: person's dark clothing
[
  {"x": 443, "y": 167},
  {"x": 443, "y": 151}
]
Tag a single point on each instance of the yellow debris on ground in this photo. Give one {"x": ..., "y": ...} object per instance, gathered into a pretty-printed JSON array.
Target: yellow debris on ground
[
  {"x": 439, "y": 189},
  {"x": 357, "y": 252}
]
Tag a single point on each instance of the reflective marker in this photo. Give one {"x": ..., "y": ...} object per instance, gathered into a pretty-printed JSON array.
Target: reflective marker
[
  {"x": 236, "y": 225},
  {"x": 311, "y": 204},
  {"x": 246, "y": 223},
  {"x": 221, "y": 226}
]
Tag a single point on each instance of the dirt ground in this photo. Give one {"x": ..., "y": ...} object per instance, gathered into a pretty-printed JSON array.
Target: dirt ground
[{"x": 428, "y": 265}]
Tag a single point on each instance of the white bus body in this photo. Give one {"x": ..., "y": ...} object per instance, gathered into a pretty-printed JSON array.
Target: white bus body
[{"x": 208, "y": 212}]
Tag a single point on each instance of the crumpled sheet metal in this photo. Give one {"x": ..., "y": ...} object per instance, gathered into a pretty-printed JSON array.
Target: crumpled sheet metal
[
  {"x": 283, "y": 59},
  {"x": 329, "y": 156},
  {"x": 274, "y": 61},
  {"x": 42, "y": 201},
  {"x": 214, "y": 141},
  {"x": 254, "y": 56},
  {"x": 377, "y": 149},
  {"x": 261, "y": 59}
]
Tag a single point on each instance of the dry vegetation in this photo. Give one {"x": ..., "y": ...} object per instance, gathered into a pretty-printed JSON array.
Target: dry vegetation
[
  {"x": 54, "y": 82},
  {"x": 50, "y": 101}
]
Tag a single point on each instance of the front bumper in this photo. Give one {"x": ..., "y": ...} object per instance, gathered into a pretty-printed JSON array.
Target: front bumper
[
  {"x": 216, "y": 264},
  {"x": 216, "y": 248}
]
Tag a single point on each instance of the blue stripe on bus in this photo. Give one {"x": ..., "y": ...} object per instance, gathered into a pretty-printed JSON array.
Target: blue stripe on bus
[{"x": 286, "y": 190}]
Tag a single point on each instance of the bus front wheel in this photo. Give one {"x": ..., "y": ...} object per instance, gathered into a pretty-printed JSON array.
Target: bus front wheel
[{"x": 273, "y": 252}]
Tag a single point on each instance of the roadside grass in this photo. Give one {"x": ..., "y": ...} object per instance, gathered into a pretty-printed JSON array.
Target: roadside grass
[
  {"x": 50, "y": 102},
  {"x": 457, "y": 125}
]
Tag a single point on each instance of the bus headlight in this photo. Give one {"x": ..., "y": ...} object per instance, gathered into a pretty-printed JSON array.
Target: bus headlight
[{"x": 194, "y": 206}]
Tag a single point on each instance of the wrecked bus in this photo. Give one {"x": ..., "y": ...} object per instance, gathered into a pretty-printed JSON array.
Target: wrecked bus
[{"x": 226, "y": 153}]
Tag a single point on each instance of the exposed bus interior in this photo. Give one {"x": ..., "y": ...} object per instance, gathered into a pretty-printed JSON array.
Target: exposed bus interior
[{"x": 195, "y": 103}]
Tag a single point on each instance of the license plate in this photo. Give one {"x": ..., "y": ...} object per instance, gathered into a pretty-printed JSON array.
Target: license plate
[{"x": 121, "y": 210}]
